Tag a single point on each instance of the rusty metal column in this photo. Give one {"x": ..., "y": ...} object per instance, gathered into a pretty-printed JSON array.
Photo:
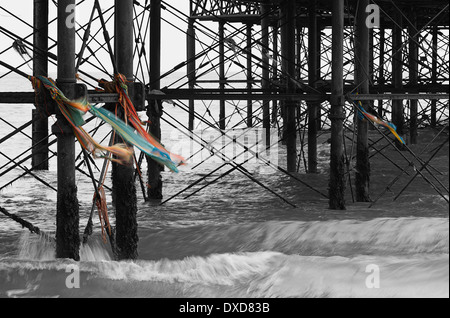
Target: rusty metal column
[
  {"x": 397, "y": 71},
  {"x": 67, "y": 214},
  {"x": 265, "y": 81},
  {"x": 191, "y": 66},
  {"x": 39, "y": 159},
  {"x": 155, "y": 108},
  {"x": 123, "y": 175},
  {"x": 222, "y": 79},
  {"x": 288, "y": 53},
  {"x": 312, "y": 78},
  {"x": 362, "y": 81},
  {"x": 413, "y": 75},
  {"x": 337, "y": 115}
]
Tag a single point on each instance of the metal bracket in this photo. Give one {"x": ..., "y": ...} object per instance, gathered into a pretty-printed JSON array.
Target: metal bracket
[
  {"x": 338, "y": 100},
  {"x": 136, "y": 91}
]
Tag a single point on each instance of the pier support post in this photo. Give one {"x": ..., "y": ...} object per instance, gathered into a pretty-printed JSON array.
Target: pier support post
[
  {"x": 433, "y": 119},
  {"x": 319, "y": 73},
  {"x": 123, "y": 175},
  {"x": 155, "y": 108},
  {"x": 67, "y": 214},
  {"x": 312, "y": 79},
  {"x": 275, "y": 31},
  {"x": 288, "y": 53},
  {"x": 381, "y": 79},
  {"x": 337, "y": 115},
  {"x": 39, "y": 159},
  {"x": 249, "y": 74},
  {"x": 397, "y": 71},
  {"x": 265, "y": 81},
  {"x": 222, "y": 79},
  {"x": 362, "y": 81},
  {"x": 413, "y": 76},
  {"x": 191, "y": 66}
]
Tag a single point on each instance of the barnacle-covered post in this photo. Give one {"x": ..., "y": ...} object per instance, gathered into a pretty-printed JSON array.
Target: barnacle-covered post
[
  {"x": 123, "y": 175},
  {"x": 67, "y": 214}
]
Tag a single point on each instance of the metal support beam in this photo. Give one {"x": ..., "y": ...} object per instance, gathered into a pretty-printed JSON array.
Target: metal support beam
[
  {"x": 288, "y": 54},
  {"x": 275, "y": 31},
  {"x": 249, "y": 40},
  {"x": 124, "y": 189},
  {"x": 39, "y": 159},
  {"x": 434, "y": 74},
  {"x": 222, "y": 113},
  {"x": 337, "y": 115},
  {"x": 413, "y": 75},
  {"x": 319, "y": 74},
  {"x": 265, "y": 82},
  {"x": 397, "y": 71},
  {"x": 67, "y": 214},
  {"x": 312, "y": 77},
  {"x": 191, "y": 67},
  {"x": 155, "y": 108},
  {"x": 381, "y": 79},
  {"x": 362, "y": 81}
]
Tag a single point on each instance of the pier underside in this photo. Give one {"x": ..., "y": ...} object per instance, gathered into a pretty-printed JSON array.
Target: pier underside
[{"x": 309, "y": 90}]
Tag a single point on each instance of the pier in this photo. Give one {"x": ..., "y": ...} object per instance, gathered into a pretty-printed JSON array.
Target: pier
[{"x": 302, "y": 71}]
